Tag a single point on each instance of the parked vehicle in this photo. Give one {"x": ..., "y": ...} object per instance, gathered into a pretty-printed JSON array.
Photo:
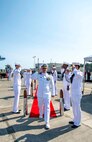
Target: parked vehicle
[{"x": 3, "y": 73}]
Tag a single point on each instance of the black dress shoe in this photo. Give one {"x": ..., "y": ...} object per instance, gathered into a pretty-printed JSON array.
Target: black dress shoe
[
  {"x": 74, "y": 126},
  {"x": 71, "y": 122},
  {"x": 66, "y": 109},
  {"x": 16, "y": 112}
]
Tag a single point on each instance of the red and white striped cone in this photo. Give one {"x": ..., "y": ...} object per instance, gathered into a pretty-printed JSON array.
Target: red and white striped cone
[
  {"x": 25, "y": 103},
  {"x": 61, "y": 103}
]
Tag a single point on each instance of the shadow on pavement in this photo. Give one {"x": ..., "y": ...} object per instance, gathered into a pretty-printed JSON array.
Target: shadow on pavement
[
  {"x": 10, "y": 97},
  {"x": 86, "y": 103},
  {"x": 57, "y": 100},
  {"x": 24, "y": 125},
  {"x": 5, "y": 116},
  {"x": 46, "y": 135}
]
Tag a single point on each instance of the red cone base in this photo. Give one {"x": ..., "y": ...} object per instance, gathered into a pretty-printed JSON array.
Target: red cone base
[{"x": 35, "y": 109}]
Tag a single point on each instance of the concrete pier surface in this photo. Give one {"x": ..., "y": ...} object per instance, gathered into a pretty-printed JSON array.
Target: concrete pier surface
[{"x": 17, "y": 128}]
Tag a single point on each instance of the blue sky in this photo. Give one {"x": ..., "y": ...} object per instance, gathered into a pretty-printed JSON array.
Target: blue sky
[{"x": 52, "y": 30}]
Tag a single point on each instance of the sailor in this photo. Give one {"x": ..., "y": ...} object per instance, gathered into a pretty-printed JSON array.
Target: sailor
[
  {"x": 63, "y": 68},
  {"x": 9, "y": 72},
  {"x": 17, "y": 87},
  {"x": 28, "y": 81},
  {"x": 66, "y": 85},
  {"x": 24, "y": 76},
  {"x": 45, "y": 90},
  {"x": 76, "y": 94},
  {"x": 66, "y": 89},
  {"x": 54, "y": 74}
]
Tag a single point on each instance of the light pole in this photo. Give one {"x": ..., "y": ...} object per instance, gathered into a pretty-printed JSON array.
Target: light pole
[{"x": 34, "y": 60}]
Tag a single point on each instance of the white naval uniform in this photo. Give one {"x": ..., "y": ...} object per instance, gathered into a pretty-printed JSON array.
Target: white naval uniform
[
  {"x": 17, "y": 89},
  {"x": 28, "y": 83},
  {"x": 9, "y": 74},
  {"x": 54, "y": 74},
  {"x": 76, "y": 95},
  {"x": 66, "y": 83},
  {"x": 24, "y": 76},
  {"x": 45, "y": 86}
]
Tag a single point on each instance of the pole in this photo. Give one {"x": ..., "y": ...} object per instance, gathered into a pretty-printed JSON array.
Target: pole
[
  {"x": 32, "y": 88},
  {"x": 61, "y": 103},
  {"x": 34, "y": 84},
  {"x": 25, "y": 103}
]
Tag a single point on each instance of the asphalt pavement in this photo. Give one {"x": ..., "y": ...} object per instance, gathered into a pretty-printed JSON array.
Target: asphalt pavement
[{"x": 17, "y": 128}]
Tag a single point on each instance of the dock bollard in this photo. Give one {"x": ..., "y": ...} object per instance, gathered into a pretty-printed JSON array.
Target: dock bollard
[
  {"x": 34, "y": 84},
  {"x": 61, "y": 103},
  {"x": 25, "y": 103},
  {"x": 32, "y": 88}
]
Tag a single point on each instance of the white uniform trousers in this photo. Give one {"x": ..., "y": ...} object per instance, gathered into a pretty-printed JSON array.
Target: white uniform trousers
[
  {"x": 28, "y": 88},
  {"x": 9, "y": 76},
  {"x": 44, "y": 108},
  {"x": 16, "y": 98},
  {"x": 66, "y": 98},
  {"x": 55, "y": 85},
  {"x": 76, "y": 110}
]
